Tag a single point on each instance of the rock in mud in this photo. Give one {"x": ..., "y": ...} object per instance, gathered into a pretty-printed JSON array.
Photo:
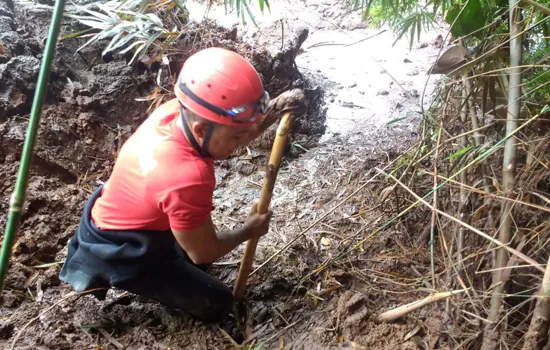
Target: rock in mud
[
  {"x": 246, "y": 168},
  {"x": 17, "y": 83}
]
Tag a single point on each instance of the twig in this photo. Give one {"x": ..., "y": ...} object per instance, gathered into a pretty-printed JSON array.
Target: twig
[
  {"x": 231, "y": 340},
  {"x": 365, "y": 39},
  {"x": 484, "y": 235},
  {"x": 282, "y": 35},
  {"x": 397, "y": 313},
  {"x": 324, "y": 43},
  {"x": 270, "y": 339},
  {"x": 110, "y": 338},
  {"x": 48, "y": 310}
]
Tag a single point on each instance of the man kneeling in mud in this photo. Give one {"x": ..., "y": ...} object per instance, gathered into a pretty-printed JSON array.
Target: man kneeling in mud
[{"x": 148, "y": 230}]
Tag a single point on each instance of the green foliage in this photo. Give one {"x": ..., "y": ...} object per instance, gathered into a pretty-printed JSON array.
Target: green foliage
[
  {"x": 240, "y": 4},
  {"x": 415, "y": 23},
  {"x": 538, "y": 86},
  {"x": 126, "y": 23},
  {"x": 468, "y": 16},
  {"x": 403, "y": 17},
  {"x": 135, "y": 24}
]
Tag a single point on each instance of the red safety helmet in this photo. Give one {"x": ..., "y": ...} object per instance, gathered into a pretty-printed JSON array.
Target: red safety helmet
[{"x": 223, "y": 87}]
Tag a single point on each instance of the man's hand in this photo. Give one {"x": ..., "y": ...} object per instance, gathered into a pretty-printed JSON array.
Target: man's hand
[
  {"x": 256, "y": 224},
  {"x": 289, "y": 101}
]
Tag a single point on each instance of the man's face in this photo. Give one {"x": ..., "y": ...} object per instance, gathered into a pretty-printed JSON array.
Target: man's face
[{"x": 225, "y": 139}]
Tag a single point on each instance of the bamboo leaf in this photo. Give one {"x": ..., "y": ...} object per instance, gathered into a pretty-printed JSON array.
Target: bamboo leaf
[
  {"x": 124, "y": 41},
  {"x": 112, "y": 42},
  {"x": 393, "y": 121},
  {"x": 139, "y": 49},
  {"x": 460, "y": 153},
  {"x": 95, "y": 24},
  {"x": 132, "y": 46},
  {"x": 238, "y": 3},
  {"x": 419, "y": 26},
  {"x": 249, "y": 13},
  {"x": 96, "y": 14}
]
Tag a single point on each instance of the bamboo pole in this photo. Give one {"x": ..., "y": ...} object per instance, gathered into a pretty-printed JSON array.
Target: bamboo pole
[
  {"x": 18, "y": 197},
  {"x": 463, "y": 215},
  {"x": 537, "y": 335},
  {"x": 265, "y": 199},
  {"x": 508, "y": 171}
]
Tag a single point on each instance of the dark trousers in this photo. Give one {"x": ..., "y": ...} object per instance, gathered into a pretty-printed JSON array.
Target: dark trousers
[
  {"x": 149, "y": 264},
  {"x": 180, "y": 285}
]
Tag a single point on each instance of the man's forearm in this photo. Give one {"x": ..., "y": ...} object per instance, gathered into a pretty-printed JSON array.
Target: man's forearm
[{"x": 228, "y": 240}]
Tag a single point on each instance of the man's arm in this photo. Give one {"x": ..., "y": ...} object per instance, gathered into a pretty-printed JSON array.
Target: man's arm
[{"x": 204, "y": 244}]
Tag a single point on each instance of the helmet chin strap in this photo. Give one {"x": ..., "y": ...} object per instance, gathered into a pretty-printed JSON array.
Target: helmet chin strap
[{"x": 203, "y": 151}]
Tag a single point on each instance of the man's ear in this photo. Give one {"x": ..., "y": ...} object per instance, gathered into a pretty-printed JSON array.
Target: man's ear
[{"x": 199, "y": 129}]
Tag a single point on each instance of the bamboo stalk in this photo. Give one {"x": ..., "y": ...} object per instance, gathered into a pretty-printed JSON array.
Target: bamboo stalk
[
  {"x": 18, "y": 197},
  {"x": 463, "y": 179},
  {"x": 470, "y": 102},
  {"x": 265, "y": 199},
  {"x": 508, "y": 169},
  {"x": 537, "y": 335},
  {"x": 397, "y": 313},
  {"x": 435, "y": 203}
]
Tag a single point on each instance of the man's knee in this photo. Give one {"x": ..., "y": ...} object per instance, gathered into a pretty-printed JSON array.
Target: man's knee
[{"x": 218, "y": 307}]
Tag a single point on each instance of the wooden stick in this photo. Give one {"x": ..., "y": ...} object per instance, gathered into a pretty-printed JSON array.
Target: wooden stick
[
  {"x": 397, "y": 313},
  {"x": 265, "y": 199}
]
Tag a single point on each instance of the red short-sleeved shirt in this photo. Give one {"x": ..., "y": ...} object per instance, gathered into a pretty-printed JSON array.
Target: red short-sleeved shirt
[{"x": 159, "y": 180}]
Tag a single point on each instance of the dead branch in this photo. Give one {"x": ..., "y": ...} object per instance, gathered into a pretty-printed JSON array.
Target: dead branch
[{"x": 397, "y": 313}]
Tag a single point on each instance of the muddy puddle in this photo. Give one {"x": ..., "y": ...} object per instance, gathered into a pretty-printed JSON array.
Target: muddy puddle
[{"x": 332, "y": 152}]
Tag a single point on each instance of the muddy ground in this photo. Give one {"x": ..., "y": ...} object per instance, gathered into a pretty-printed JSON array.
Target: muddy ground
[{"x": 91, "y": 109}]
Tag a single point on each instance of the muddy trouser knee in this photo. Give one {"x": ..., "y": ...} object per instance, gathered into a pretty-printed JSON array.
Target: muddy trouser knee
[{"x": 179, "y": 284}]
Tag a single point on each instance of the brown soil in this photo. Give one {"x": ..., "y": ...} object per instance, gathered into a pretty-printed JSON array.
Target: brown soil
[{"x": 91, "y": 109}]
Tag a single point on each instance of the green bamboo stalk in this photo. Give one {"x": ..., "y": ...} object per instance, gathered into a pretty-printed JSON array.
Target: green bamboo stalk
[
  {"x": 18, "y": 197},
  {"x": 508, "y": 172}
]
